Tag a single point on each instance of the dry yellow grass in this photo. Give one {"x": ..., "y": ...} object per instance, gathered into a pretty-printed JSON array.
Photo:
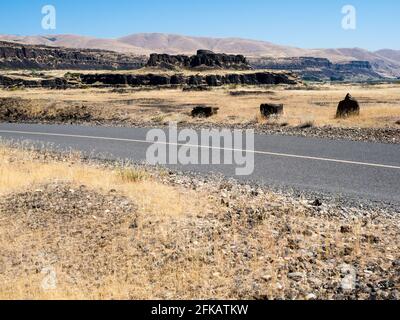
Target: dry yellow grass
[
  {"x": 188, "y": 243},
  {"x": 24, "y": 170},
  {"x": 380, "y": 104},
  {"x": 19, "y": 170}
]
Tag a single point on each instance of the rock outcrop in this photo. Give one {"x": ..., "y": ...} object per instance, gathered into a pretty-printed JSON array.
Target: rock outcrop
[
  {"x": 21, "y": 56},
  {"x": 348, "y": 107},
  {"x": 319, "y": 69},
  {"x": 13, "y": 81},
  {"x": 190, "y": 82},
  {"x": 204, "y": 111},
  {"x": 257, "y": 78},
  {"x": 204, "y": 59},
  {"x": 269, "y": 109}
]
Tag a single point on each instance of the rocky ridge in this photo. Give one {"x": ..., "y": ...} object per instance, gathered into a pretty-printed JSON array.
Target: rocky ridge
[
  {"x": 149, "y": 80},
  {"x": 212, "y": 80},
  {"x": 204, "y": 59},
  {"x": 319, "y": 69},
  {"x": 20, "y": 56}
]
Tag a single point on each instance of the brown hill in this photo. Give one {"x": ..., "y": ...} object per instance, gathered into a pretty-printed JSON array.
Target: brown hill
[{"x": 386, "y": 62}]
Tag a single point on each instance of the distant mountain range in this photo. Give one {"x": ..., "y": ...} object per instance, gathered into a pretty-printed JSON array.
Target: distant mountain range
[{"x": 386, "y": 61}]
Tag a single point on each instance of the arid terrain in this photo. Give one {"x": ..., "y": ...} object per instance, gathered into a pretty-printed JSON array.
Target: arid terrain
[
  {"x": 72, "y": 228},
  {"x": 385, "y": 61},
  {"x": 314, "y": 220},
  {"x": 307, "y": 107}
]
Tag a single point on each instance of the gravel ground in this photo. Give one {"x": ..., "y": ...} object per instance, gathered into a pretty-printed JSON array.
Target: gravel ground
[
  {"x": 259, "y": 244},
  {"x": 324, "y": 247},
  {"x": 72, "y": 223}
]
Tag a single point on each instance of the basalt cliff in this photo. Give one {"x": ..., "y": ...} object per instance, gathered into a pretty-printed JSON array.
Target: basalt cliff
[
  {"x": 20, "y": 56},
  {"x": 319, "y": 69}
]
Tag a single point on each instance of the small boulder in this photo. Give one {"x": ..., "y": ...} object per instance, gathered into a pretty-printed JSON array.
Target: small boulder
[
  {"x": 204, "y": 111},
  {"x": 317, "y": 203},
  {"x": 348, "y": 107},
  {"x": 296, "y": 276},
  {"x": 346, "y": 229},
  {"x": 269, "y": 109}
]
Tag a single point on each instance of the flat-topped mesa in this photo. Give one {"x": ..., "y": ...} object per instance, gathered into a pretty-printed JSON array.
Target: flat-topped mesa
[
  {"x": 353, "y": 65},
  {"x": 205, "y": 59},
  {"x": 22, "y": 56},
  {"x": 294, "y": 63}
]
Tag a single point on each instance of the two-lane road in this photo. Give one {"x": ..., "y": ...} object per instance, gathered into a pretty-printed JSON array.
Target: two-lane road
[{"x": 356, "y": 169}]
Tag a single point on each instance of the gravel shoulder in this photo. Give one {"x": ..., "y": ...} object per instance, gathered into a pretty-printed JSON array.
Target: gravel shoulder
[{"x": 378, "y": 135}]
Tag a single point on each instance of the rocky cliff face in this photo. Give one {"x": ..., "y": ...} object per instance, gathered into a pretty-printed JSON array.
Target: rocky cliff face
[
  {"x": 19, "y": 56},
  {"x": 53, "y": 83},
  {"x": 258, "y": 78},
  {"x": 204, "y": 59},
  {"x": 138, "y": 80},
  {"x": 319, "y": 69},
  {"x": 300, "y": 63}
]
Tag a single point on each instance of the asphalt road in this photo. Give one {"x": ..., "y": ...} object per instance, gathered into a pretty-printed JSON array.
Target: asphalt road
[{"x": 345, "y": 168}]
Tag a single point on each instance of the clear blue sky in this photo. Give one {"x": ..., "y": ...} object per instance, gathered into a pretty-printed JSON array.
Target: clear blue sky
[{"x": 307, "y": 23}]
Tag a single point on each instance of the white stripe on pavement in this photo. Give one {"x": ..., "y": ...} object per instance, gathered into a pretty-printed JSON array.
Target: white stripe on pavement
[{"x": 200, "y": 146}]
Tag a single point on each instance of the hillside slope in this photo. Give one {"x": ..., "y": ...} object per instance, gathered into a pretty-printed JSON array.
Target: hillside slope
[{"x": 386, "y": 62}]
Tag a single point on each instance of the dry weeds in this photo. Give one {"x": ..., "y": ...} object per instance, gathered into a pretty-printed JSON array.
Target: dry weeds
[
  {"x": 380, "y": 104},
  {"x": 125, "y": 233}
]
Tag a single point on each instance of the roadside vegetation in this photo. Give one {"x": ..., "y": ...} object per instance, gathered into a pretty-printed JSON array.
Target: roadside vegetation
[
  {"x": 71, "y": 228},
  {"x": 380, "y": 106}
]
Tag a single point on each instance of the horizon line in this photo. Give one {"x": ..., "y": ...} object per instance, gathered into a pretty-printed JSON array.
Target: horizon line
[{"x": 195, "y": 36}]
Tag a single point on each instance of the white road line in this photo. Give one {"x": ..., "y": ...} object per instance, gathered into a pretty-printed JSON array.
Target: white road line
[{"x": 376, "y": 165}]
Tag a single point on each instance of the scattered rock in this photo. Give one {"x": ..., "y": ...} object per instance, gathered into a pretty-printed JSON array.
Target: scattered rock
[
  {"x": 311, "y": 296},
  {"x": 296, "y": 276},
  {"x": 346, "y": 229},
  {"x": 269, "y": 109},
  {"x": 267, "y": 278},
  {"x": 302, "y": 266},
  {"x": 317, "y": 203},
  {"x": 396, "y": 263},
  {"x": 204, "y": 111},
  {"x": 348, "y": 107},
  {"x": 306, "y": 125}
]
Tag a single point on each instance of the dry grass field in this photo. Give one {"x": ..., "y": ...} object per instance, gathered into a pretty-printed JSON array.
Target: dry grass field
[
  {"x": 315, "y": 104},
  {"x": 71, "y": 229}
]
